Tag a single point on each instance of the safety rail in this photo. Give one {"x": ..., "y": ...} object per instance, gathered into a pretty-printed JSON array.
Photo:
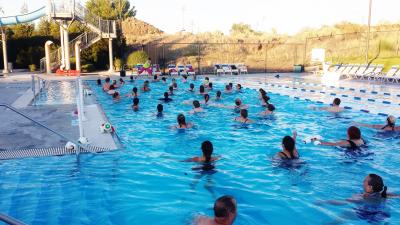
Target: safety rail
[
  {"x": 10, "y": 220},
  {"x": 103, "y": 26},
  {"x": 47, "y": 128}
]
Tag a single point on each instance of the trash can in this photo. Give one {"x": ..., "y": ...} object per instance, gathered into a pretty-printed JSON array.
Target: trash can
[
  {"x": 122, "y": 73},
  {"x": 298, "y": 68}
]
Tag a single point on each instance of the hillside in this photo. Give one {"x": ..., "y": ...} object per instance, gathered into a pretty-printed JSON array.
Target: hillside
[{"x": 344, "y": 43}]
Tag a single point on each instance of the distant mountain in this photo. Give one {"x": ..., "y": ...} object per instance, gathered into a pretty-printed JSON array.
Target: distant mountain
[{"x": 137, "y": 31}]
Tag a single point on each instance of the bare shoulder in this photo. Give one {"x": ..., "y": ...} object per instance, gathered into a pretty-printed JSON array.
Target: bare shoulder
[{"x": 202, "y": 220}]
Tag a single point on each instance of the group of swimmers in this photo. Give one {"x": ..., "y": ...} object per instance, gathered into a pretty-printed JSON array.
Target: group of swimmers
[{"x": 225, "y": 207}]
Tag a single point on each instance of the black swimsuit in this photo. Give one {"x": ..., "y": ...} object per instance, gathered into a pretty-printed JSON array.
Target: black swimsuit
[
  {"x": 287, "y": 157},
  {"x": 384, "y": 127},
  {"x": 353, "y": 145}
]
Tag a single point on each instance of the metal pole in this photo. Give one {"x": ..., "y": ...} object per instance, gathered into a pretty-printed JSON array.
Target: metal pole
[
  {"x": 305, "y": 52},
  {"x": 5, "y": 60},
  {"x": 198, "y": 59},
  {"x": 33, "y": 89},
  {"x": 369, "y": 30},
  {"x": 110, "y": 55}
]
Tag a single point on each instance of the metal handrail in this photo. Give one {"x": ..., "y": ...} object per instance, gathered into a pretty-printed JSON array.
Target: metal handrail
[
  {"x": 10, "y": 220},
  {"x": 47, "y": 128}
]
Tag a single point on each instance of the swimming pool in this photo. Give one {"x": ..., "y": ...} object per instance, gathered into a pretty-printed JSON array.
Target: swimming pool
[
  {"x": 57, "y": 93},
  {"x": 146, "y": 182}
]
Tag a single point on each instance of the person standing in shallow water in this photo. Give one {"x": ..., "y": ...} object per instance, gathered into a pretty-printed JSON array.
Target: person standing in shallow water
[{"x": 225, "y": 212}]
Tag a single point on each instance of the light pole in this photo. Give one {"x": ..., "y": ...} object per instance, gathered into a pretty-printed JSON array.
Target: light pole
[{"x": 369, "y": 30}]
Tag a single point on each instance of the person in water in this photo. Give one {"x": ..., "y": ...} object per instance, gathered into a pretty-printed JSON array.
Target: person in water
[
  {"x": 98, "y": 82},
  {"x": 184, "y": 78},
  {"x": 131, "y": 79},
  {"x": 116, "y": 96},
  {"x": 264, "y": 98},
  {"x": 146, "y": 86},
  {"x": 239, "y": 104},
  {"x": 206, "y": 81},
  {"x": 335, "y": 108},
  {"x": 160, "y": 109},
  {"x": 173, "y": 81},
  {"x": 225, "y": 212},
  {"x": 164, "y": 80},
  {"x": 196, "y": 107},
  {"x": 191, "y": 88},
  {"x": 268, "y": 111},
  {"x": 111, "y": 90},
  {"x": 206, "y": 99},
  {"x": 134, "y": 93},
  {"x": 166, "y": 97},
  {"x": 218, "y": 95},
  {"x": 354, "y": 140},
  {"x": 389, "y": 126},
  {"x": 202, "y": 90},
  {"x": 155, "y": 78},
  {"x": 175, "y": 86},
  {"x": 289, "y": 150},
  {"x": 182, "y": 124},
  {"x": 121, "y": 82},
  {"x": 243, "y": 118},
  {"x": 210, "y": 86},
  {"x": 228, "y": 89},
  {"x": 115, "y": 84},
  {"x": 238, "y": 87},
  {"x": 106, "y": 85},
  {"x": 207, "y": 149},
  {"x": 171, "y": 90},
  {"x": 135, "y": 105}
]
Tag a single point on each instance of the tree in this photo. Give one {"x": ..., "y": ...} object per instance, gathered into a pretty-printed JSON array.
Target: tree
[
  {"x": 123, "y": 9},
  {"x": 111, "y": 9},
  {"x": 46, "y": 28}
]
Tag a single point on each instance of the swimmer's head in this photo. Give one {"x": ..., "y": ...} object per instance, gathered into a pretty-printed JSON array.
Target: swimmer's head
[
  {"x": 175, "y": 85},
  {"x": 181, "y": 119},
  {"x": 336, "y": 101},
  {"x": 288, "y": 144},
  {"x": 171, "y": 89},
  {"x": 206, "y": 78},
  {"x": 136, "y": 101},
  {"x": 210, "y": 85},
  {"x": 238, "y": 86},
  {"x": 173, "y": 80},
  {"x": 184, "y": 77},
  {"x": 244, "y": 113},
  {"x": 163, "y": 79},
  {"x": 227, "y": 87},
  {"x": 166, "y": 95},
  {"x": 374, "y": 184},
  {"x": 160, "y": 108},
  {"x": 155, "y": 77},
  {"x": 196, "y": 104},
  {"x": 353, "y": 133},
  {"x": 115, "y": 95},
  {"x": 262, "y": 91},
  {"x": 219, "y": 94},
  {"x": 225, "y": 210},
  {"x": 108, "y": 80},
  {"x": 271, "y": 107},
  {"x": 238, "y": 102},
  {"x": 207, "y": 149},
  {"x": 131, "y": 77},
  {"x": 134, "y": 90},
  {"x": 121, "y": 80},
  {"x": 146, "y": 82},
  {"x": 98, "y": 81},
  {"x": 114, "y": 82},
  {"x": 201, "y": 89},
  {"x": 391, "y": 121},
  {"x": 230, "y": 85},
  {"x": 112, "y": 87},
  {"x": 191, "y": 86},
  {"x": 206, "y": 98}
]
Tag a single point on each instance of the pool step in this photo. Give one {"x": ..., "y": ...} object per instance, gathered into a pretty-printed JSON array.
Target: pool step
[{"x": 41, "y": 152}]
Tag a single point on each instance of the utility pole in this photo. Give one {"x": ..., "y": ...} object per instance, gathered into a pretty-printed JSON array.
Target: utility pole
[{"x": 369, "y": 30}]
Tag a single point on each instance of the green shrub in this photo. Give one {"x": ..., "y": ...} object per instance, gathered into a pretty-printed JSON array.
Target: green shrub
[
  {"x": 88, "y": 68},
  {"x": 136, "y": 58},
  {"x": 32, "y": 67},
  {"x": 118, "y": 63}
]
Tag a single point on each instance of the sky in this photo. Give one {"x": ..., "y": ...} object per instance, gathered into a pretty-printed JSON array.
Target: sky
[{"x": 286, "y": 16}]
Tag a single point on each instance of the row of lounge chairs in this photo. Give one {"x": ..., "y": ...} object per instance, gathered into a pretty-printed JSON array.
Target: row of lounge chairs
[
  {"x": 230, "y": 69},
  {"x": 172, "y": 70},
  {"x": 371, "y": 72}
]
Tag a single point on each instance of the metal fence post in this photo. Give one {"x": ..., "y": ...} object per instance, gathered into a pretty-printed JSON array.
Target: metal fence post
[{"x": 33, "y": 89}]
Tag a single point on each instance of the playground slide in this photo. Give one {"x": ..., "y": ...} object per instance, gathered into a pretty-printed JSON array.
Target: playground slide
[{"x": 24, "y": 18}]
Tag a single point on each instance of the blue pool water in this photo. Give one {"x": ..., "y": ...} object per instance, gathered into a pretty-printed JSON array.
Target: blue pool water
[
  {"x": 56, "y": 93},
  {"x": 146, "y": 182}
]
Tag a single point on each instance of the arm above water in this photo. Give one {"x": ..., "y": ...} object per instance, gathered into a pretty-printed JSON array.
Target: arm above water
[
  {"x": 369, "y": 125},
  {"x": 342, "y": 143}
]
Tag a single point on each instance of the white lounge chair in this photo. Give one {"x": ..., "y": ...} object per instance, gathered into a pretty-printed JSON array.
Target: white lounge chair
[
  {"x": 242, "y": 68},
  {"x": 218, "y": 69},
  {"x": 172, "y": 70},
  {"x": 227, "y": 68},
  {"x": 396, "y": 77},
  {"x": 367, "y": 73},
  {"x": 377, "y": 72},
  {"x": 359, "y": 72},
  {"x": 346, "y": 71},
  {"x": 190, "y": 70},
  {"x": 341, "y": 69},
  {"x": 234, "y": 69},
  {"x": 353, "y": 71},
  {"x": 390, "y": 73}
]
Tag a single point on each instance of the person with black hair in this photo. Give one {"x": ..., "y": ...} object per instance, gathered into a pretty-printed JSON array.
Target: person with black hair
[
  {"x": 243, "y": 118},
  {"x": 184, "y": 78},
  {"x": 111, "y": 90},
  {"x": 116, "y": 96},
  {"x": 164, "y": 80},
  {"x": 146, "y": 86},
  {"x": 268, "y": 111},
  {"x": 121, "y": 82},
  {"x": 289, "y": 150},
  {"x": 171, "y": 90},
  {"x": 238, "y": 87},
  {"x": 202, "y": 90},
  {"x": 210, "y": 86},
  {"x": 206, "y": 99},
  {"x": 155, "y": 78},
  {"x": 131, "y": 79},
  {"x": 334, "y": 108},
  {"x": 196, "y": 107},
  {"x": 225, "y": 212},
  {"x": 107, "y": 84},
  {"x": 389, "y": 126},
  {"x": 134, "y": 93},
  {"x": 218, "y": 95},
  {"x": 99, "y": 82},
  {"x": 207, "y": 149},
  {"x": 166, "y": 98},
  {"x": 191, "y": 87},
  {"x": 160, "y": 109},
  {"x": 135, "y": 105},
  {"x": 182, "y": 124}
]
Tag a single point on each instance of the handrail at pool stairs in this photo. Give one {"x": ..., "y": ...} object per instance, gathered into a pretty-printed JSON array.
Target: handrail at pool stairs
[
  {"x": 10, "y": 220},
  {"x": 79, "y": 145}
]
